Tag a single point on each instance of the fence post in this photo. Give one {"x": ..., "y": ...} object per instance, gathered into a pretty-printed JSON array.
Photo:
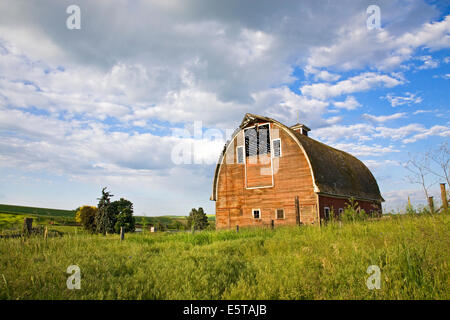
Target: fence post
[
  {"x": 122, "y": 234},
  {"x": 27, "y": 226},
  {"x": 297, "y": 210},
  {"x": 272, "y": 224},
  {"x": 431, "y": 204},
  {"x": 45, "y": 233},
  {"x": 237, "y": 228},
  {"x": 444, "y": 197}
]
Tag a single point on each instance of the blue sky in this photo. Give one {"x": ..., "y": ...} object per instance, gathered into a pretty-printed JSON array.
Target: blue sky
[{"x": 108, "y": 104}]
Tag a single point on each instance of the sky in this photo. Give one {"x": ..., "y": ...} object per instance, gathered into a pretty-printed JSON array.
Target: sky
[{"x": 111, "y": 104}]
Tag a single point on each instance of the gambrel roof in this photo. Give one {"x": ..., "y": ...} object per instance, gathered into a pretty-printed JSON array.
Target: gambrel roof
[{"x": 335, "y": 172}]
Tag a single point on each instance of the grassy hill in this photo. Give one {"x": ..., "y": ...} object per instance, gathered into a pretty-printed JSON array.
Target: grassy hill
[{"x": 6, "y": 208}]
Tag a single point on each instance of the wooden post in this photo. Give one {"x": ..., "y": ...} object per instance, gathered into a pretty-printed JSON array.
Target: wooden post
[
  {"x": 444, "y": 197},
  {"x": 237, "y": 228},
  {"x": 431, "y": 204},
  {"x": 297, "y": 210},
  {"x": 45, "y": 233},
  {"x": 122, "y": 234},
  {"x": 272, "y": 224},
  {"x": 27, "y": 226}
]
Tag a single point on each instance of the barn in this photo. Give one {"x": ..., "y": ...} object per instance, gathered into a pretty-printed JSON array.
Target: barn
[{"x": 270, "y": 172}]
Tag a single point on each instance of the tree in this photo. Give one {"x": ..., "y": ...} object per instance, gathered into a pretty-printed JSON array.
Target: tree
[
  {"x": 105, "y": 218},
  {"x": 197, "y": 219},
  {"x": 441, "y": 158},
  {"x": 85, "y": 215},
  {"x": 124, "y": 218},
  {"x": 419, "y": 166}
]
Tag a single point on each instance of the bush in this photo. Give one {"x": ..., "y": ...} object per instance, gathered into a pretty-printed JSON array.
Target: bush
[
  {"x": 352, "y": 212},
  {"x": 85, "y": 215}
]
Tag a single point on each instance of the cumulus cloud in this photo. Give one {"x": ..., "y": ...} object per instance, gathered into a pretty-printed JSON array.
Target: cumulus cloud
[
  {"x": 350, "y": 103},
  {"x": 356, "y": 47},
  {"x": 362, "y": 82}
]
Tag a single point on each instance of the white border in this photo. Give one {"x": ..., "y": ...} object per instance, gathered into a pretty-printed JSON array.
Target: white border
[
  {"x": 324, "y": 210},
  {"x": 253, "y": 213},
  {"x": 284, "y": 214}
]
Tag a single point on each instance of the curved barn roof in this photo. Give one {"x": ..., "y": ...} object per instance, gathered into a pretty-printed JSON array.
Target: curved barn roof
[{"x": 335, "y": 172}]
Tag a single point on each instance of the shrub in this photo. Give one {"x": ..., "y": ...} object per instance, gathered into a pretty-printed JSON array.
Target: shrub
[
  {"x": 352, "y": 212},
  {"x": 85, "y": 215}
]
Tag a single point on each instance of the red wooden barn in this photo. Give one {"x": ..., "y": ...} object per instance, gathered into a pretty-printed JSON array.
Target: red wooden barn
[{"x": 268, "y": 171}]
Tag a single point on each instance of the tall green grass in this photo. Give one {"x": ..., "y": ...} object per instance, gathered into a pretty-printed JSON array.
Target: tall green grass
[{"x": 305, "y": 262}]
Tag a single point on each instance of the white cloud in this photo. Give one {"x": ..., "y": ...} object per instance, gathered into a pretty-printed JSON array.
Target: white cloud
[
  {"x": 421, "y": 111},
  {"x": 356, "y": 47},
  {"x": 334, "y": 133},
  {"x": 350, "y": 103},
  {"x": 384, "y": 118},
  {"x": 377, "y": 164},
  {"x": 428, "y": 62},
  {"x": 415, "y": 131},
  {"x": 361, "y": 82},
  {"x": 362, "y": 150},
  {"x": 437, "y": 130},
  {"x": 408, "y": 98}
]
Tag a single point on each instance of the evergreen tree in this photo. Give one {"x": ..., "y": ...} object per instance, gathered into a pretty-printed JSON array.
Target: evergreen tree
[{"x": 105, "y": 218}]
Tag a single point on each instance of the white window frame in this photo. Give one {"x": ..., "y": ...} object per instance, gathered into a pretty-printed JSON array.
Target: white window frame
[
  {"x": 271, "y": 157},
  {"x": 273, "y": 149},
  {"x": 341, "y": 211},
  {"x": 325, "y": 212},
  {"x": 276, "y": 216},
  {"x": 237, "y": 154},
  {"x": 253, "y": 213}
]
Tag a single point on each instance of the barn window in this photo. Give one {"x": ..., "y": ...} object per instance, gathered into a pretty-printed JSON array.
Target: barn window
[
  {"x": 276, "y": 148},
  {"x": 263, "y": 139},
  {"x": 279, "y": 213},
  {"x": 257, "y": 140},
  {"x": 251, "y": 142},
  {"x": 256, "y": 213},
  {"x": 326, "y": 211},
  {"x": 341, "y": 211},
  {"x": 240, "y": 154}
]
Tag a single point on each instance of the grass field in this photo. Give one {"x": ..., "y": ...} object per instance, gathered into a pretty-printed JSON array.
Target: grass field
[{"x": 305, "y": 262}]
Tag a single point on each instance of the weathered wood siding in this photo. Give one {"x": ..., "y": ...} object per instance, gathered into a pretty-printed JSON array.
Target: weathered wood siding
[{"x": 292, "y": 177}]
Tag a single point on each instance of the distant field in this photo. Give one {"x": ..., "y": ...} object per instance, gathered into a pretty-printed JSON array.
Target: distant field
[
  {"x": 307, "y": 262},
  {"x": 6, "y": 208},
  {"x": 11, "y": 216}
]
